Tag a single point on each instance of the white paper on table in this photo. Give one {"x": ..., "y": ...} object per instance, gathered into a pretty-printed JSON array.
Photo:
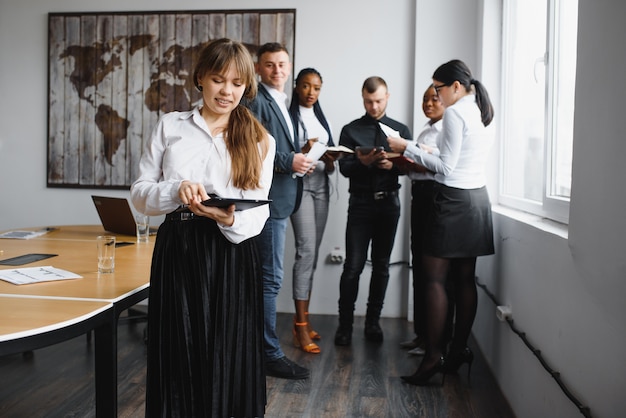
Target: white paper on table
[
  {"x": 390, "y": 132},
  {"x": 30, "y": 275},
  {"x": 23, "y": 234},
  {"x": 315, "y": 153}
]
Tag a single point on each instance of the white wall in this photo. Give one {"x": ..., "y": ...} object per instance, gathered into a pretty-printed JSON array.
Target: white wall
[
  {"x": 357, "y": 40},
  {"x": 566, "y": 294}
]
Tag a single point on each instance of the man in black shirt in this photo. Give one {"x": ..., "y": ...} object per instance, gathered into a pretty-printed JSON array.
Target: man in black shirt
[{"x": 373, "y": 209}]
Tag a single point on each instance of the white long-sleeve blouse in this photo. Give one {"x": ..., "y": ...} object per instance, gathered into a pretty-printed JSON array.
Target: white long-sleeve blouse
[
  {"x": 464, "y": 145},
  {"x": 182, "y": 148},
  {"x": 428, "y": 136}
]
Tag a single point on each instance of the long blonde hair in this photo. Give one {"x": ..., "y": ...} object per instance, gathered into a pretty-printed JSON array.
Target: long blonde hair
[{"x": 244, "y": 134}]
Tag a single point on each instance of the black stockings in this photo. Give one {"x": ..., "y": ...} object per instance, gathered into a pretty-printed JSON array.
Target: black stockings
[{"x": 460, "y": 271}]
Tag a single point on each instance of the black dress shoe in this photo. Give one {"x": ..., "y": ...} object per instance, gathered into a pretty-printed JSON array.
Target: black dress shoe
[
  {"x": 343, "y": 336},
  {"x": 373, "y": 332},
  {"x": 421, "y": 378},
  {"x": 285, "y": 369},
  {"x": 411, "y": 344},
  {"x": 456, "y": 359}
]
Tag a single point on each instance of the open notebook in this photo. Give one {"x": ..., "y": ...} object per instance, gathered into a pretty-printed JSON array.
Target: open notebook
[{"x": 116, "y": 215}]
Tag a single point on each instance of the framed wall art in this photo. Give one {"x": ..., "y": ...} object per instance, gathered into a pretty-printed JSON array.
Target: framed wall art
[{"x": 111, "y": 75}]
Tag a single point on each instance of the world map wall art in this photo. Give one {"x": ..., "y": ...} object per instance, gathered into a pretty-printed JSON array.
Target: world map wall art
[{"x": 111, "y": 75}]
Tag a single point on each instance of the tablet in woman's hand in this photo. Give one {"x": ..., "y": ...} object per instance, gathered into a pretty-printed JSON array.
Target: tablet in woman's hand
[{"x": 240, "y": 204}]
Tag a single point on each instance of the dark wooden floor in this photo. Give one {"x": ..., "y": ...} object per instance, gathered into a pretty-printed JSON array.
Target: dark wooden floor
[{"x": 358, "y": 381}]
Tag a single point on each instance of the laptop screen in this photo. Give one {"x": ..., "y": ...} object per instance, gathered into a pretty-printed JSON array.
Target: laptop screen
[{"x": 115, "y": 214}]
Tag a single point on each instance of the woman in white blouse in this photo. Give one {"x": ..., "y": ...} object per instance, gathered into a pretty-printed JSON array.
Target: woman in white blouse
[
  {"x": 460, "y": 226},
  {"x": 205, "y": 321},
  {"x": 309, "y": 221}
]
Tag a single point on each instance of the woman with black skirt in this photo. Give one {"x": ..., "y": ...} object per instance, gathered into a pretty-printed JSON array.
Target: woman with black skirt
[
  {"x": 205, "y": 313},
  {"x": 460, "y": 226}
]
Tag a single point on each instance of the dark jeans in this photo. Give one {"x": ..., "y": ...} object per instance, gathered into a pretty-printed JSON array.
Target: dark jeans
[{"x": 369, "y": 221}]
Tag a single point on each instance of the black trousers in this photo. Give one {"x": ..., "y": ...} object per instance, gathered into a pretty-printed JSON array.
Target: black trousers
[
  {"x": 370, "y": 221},
  {"x": 421, "y": 203}
]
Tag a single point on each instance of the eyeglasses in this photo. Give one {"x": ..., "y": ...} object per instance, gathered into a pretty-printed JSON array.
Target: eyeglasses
[{"x": 437, "y": 88}]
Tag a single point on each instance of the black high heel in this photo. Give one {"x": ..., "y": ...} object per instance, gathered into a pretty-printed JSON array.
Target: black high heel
[
  {"x": 421, "y": 378},
  {"x": 454, "y": 361}
]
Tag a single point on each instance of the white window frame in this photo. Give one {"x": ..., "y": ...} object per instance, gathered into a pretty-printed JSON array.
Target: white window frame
[{"x": 552, "y": 206}]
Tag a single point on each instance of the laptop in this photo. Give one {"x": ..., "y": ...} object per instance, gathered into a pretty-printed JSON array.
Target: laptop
[{"x": 116, "y": 215}]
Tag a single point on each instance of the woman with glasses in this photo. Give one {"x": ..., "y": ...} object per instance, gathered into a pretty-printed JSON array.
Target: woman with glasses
[{"x": 459, "y": 228}]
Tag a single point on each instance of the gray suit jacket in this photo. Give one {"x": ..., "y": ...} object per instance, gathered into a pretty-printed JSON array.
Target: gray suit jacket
[{"x": 286, "y": 191}]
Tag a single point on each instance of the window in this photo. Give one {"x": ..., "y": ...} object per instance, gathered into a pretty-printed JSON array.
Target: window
[{"x": 539, "y": 73}]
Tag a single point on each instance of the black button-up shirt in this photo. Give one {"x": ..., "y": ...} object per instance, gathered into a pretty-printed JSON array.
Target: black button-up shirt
[{"x": 366, "y": 131}]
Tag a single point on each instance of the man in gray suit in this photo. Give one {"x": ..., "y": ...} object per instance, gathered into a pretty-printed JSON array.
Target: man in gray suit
[{"x": 270, "y": 107}]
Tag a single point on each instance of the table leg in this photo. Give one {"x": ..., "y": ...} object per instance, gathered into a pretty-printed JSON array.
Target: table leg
[{"x": 106, "y": 368}]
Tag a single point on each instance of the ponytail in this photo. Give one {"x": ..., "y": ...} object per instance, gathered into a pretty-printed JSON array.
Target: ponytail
[{"x": 483, "y": 102}]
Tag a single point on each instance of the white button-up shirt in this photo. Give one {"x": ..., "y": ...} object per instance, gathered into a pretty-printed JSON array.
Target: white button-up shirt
[
  {"x": 428, "y": 136},
  {"x": 281, "y": 99},
  {"x": 182, "y": 148},
  {"x": 464, "y": 145}
]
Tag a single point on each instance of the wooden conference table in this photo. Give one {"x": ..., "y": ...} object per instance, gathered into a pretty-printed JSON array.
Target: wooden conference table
[{"x": 37, "y": 315}]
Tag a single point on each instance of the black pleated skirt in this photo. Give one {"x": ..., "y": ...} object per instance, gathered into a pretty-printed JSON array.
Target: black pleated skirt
[
  {"x": 460, "y": 223},
  {"x": 205, "y": 324}
]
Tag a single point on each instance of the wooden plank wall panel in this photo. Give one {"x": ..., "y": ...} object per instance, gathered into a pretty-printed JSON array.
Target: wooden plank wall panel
[
  {"x": 151, "y": 66},
  {"x": 135, "y": 104},
  {"x": 112, "y": 75},
  {"x": 267, "y": 29},
  {"x": 183, "y": 68},
  {"x": 72, "y": 102},
  {"x": 56, "y": 99},
  {"x": 86, "y": 155},
  {"x": 217, "y": 25},
  {"x": 233, "y": 26},
  {"x": 118, "y": 112},
  {"x": 285, "y": 34},
  {"x": 200, "y": 34},
  {"x": 167, "y": 30},
  {"x": 105, "y": 151},
  {"x": 250, "y": 30},
  {"x": 71, "y": 105}
]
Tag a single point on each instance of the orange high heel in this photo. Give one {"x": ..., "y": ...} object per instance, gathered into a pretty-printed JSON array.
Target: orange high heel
[
  {"x": 309, "y": 348},
  {"x": 313, "y": 334}
]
